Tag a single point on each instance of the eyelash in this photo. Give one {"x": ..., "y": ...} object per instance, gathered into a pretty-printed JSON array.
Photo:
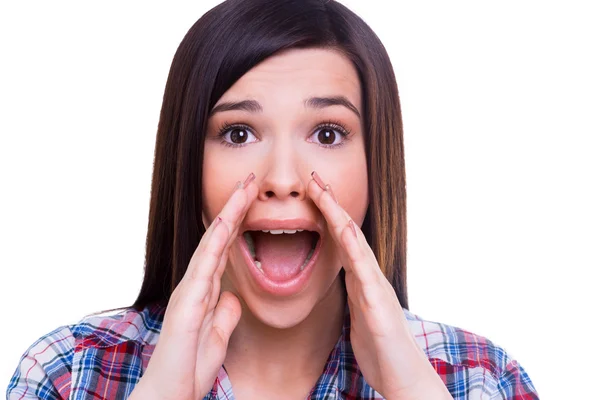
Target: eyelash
[{"x": 331, "y": 124}]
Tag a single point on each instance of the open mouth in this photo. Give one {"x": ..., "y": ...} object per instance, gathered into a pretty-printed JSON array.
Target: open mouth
[{"x": 281, "y": 254}]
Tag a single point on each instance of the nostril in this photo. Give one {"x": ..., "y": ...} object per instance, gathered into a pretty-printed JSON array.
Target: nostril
[{"x": 270, "y": 194}]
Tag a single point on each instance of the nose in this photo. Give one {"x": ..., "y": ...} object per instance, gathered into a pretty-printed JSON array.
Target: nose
[{"x": 282, "y": 175}]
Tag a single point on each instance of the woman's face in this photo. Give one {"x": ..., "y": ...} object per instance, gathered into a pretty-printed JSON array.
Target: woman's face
[{"x": 292, "y": 114}]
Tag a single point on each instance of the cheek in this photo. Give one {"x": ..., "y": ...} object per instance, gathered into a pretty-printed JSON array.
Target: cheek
[
  {"x": 218, "y": 182},
  {"x": 355, "y": 194},
  {"x": 222, "y": 168},
  {"x": 349, "y": 180}
]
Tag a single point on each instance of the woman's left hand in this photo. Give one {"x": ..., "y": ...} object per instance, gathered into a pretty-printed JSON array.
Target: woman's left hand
[{"x": 385, "y": 349}]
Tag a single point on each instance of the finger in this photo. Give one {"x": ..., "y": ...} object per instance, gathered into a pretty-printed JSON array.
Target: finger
[
  {"x": 361, "y": 260},
  {"x": 242, "y": 198},
  {"x": 199, "y": 286},
  {"x": 204, "y": 263},
  {"x": 212, "y": 347},
  {"x": 335, "y": 216},
  {"x": 232, "y": 202},
  {"x": 248, "y": 193},
  {"x": 230, "y": 217},
  {"x": 251, "y": 193},
  {"x": 190, "y": 300},
  {"x": 216, "y": 291},
  {"x": 250, "y": 190},
  {"x": 349, "y": 237},
  {"x": 220, "y": 270},
  {"x": 199, "y": 290}
]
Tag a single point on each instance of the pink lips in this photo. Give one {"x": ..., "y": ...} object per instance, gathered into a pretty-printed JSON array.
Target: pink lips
[{"x": 297, "y": 283}]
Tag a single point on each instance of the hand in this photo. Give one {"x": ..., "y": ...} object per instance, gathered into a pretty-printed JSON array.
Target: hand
[
  {"x": 199, "y": 319},
  {"x": 385, "y": 349}
]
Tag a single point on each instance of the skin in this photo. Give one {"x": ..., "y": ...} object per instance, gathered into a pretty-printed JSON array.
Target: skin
[
  {"x": 282, "y": 150},
  {"x": 218, "y": 315}
]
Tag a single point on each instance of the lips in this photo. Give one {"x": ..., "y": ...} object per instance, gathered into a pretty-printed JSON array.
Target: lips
[{"x": 281, "y": 254}]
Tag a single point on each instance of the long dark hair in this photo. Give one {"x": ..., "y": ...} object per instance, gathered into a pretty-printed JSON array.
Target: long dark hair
[{"x": 219, "y": 48}]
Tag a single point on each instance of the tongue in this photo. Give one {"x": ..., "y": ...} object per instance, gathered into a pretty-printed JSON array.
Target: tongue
[{"x": 281, "y": 256}]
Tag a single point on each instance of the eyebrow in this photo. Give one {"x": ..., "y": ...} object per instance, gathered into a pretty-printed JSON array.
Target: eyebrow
[{"x": 317, "y": 103}]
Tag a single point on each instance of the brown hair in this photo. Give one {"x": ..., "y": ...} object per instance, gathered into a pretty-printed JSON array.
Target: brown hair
[{"x": 218, "y": 49}]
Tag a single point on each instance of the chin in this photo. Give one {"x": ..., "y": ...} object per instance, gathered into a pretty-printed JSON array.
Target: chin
[{"x": 280, "y": 315}]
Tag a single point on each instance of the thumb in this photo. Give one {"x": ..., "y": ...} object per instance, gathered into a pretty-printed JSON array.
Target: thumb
[
  {"x": 225, "y": 318},
  {"x": 211, "y": 354}
]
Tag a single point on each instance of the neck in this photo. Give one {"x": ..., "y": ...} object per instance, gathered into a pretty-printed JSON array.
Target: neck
[{"x": 291, "y": 353}]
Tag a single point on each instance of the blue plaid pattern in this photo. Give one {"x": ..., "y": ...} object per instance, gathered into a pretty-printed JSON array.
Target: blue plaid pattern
[{"x": 103, "y": 357}]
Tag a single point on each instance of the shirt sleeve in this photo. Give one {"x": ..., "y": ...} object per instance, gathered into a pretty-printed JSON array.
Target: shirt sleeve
[
  {"x": 515, "y": 384},
  {"x": 44, "y": 371}
]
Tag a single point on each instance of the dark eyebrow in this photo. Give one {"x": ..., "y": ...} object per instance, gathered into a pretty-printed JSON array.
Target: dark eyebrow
[
  {"x": 245, "y": 105},
  {"x": 322, "y": 102},
  {"x": 254, "y": 106}
]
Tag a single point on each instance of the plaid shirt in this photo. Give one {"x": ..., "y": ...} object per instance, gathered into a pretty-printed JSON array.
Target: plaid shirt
[{"x": 104, "y": 357}]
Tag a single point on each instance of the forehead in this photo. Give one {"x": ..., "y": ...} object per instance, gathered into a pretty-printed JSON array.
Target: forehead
[{"x": 297, "y": 74}]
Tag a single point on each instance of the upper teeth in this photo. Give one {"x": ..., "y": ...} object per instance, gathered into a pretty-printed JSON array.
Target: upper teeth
[{"x": 280, "y": 231}]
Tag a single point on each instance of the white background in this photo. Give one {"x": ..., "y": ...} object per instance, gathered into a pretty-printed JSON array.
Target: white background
[{"x": 501, "y": 109}]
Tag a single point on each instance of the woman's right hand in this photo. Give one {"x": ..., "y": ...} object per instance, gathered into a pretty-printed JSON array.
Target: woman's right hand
[{"x": 199, "y": 319}]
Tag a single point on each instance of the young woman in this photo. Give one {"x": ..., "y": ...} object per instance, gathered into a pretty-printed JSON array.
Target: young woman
[{"x": 276, "y": 247}]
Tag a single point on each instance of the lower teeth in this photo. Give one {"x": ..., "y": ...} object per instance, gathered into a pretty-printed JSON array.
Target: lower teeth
[
  {"x": 258, "y": 264},
  {"x": 310, "y": 253}
]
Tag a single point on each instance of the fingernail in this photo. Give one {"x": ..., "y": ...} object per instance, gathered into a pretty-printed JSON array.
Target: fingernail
[
  {"x": 249, "y": 179},
  {"x": 237, "y": 186},
  {"x": 330, "y": 190},
  {"x": 317, "y": 179},
  {"x": 351, "y": 225}
]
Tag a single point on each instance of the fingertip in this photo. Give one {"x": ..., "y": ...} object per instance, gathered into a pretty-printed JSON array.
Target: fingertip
[
  {"x": 219, "y": 224},
  {"x": 313, "y": 189},
  {"x": 231, "y": 301},
  {"x": 252, "y": 191},
  {"x": 352, "y": 226},
  {"x": 317, "y": 179}
]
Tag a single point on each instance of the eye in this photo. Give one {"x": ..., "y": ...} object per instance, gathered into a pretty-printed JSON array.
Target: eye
[
  {"x": 236, "y": 135},
  {"x": 329, "y": 134}
]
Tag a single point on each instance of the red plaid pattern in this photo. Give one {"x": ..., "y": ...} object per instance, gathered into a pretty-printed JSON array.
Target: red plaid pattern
[{"x": 104, "y": 357}]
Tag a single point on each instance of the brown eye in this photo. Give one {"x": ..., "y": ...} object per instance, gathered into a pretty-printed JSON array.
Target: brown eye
[
  {"x": 239, "y": 136},
  {"x": 330, "y": 135},
  {"x": 326, "y": 136},
  {"x": 236, "y": 135}
]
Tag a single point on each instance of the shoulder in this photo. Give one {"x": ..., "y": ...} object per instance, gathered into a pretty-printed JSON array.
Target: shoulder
[
  {"x": 129, "y": 325},
  {"x": 75, "y": 357},
  {"x": 470, "y": 364},
  {"x": 45, "y": 368}
]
